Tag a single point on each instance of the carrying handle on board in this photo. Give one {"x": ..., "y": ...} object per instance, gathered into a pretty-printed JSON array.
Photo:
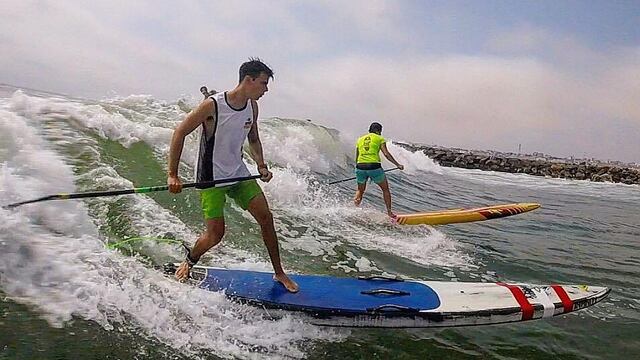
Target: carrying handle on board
[
  {"x": 385, "y": 292},
  {"x": 379, "y": 277},
  {"x": 392, "y": 308}
]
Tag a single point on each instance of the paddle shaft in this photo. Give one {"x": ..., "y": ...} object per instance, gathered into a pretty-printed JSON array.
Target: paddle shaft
[
  {"x": 353, "y": 178},
  {"x": 142, "y": 190}
]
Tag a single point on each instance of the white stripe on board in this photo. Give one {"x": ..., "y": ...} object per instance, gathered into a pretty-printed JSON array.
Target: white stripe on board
[{"x": 543, "y": 297}]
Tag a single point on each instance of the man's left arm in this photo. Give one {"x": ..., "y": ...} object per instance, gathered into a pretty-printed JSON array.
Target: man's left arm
[
  {"x": 390, "y": 157},
  {"x": 255, "y": 146}
]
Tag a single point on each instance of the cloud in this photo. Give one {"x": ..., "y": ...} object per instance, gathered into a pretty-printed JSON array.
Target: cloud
[
  {"x": 373, "y": 20},
  {"x": 475, "y": 101},
  {"x": 144, "y": 47},
  {"x": 343, "y": 64},
  {"x": 62, "y": 46}
]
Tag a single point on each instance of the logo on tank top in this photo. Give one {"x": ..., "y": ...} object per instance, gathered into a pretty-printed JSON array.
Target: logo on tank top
[
  {"x": 367, "y": 143},
  {"x": 247, "y": 124}
]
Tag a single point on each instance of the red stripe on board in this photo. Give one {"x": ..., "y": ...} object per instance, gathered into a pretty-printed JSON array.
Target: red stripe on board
[
  {"x": 562, "y": 294},
  {"x": 525, "y": 305}
]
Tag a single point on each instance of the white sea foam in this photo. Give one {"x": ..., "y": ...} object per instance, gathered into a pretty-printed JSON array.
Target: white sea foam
[
  {"x": 53, "y": 259},
  {"x": 413, "y": 161},
  {"x": 568, "y": 186},
  {"x": 297, "y": 147}
]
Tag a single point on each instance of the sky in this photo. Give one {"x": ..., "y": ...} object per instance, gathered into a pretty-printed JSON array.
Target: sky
[{"x": 557, "y": 77}]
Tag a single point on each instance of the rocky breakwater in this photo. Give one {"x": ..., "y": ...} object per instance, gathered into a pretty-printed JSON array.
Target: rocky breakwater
[{"x": 533, "y": 164}]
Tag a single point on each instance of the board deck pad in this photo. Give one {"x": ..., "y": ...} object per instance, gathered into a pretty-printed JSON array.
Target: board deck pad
[{"x": 324, "y": 293}]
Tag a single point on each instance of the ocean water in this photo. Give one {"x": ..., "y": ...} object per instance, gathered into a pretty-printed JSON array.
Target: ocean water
[{"x": 64, "y": 295}]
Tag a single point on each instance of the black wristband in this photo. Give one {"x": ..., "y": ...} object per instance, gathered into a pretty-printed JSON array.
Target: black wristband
[
  {"x": 190, "y": 261},
  {"x": 188, "y": 257}
]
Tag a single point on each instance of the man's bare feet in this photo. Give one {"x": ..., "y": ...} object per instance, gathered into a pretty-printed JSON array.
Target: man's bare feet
[
  {"x": 357, "y": 201},
  {"x": 394, "y": 219},
  {"x": 182, "y": 273},
  {"x": 392, "y": 215},
  {"x": 286, "y": 282}
]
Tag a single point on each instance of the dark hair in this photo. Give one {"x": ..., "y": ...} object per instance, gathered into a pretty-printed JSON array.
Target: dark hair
[
  {"x": 375, "y": 128},
  {"x": 253, "y": 68}
]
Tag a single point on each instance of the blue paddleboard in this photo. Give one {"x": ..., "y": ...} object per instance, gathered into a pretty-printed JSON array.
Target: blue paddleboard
[
  {"x": 321, "y": 294},
  {"x": 394, "y": 303}
]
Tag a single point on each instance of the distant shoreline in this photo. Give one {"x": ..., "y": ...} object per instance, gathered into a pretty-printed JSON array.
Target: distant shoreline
[{"x": 532, "y": 164}]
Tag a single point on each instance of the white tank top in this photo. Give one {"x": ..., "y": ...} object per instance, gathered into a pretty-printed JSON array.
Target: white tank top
[{"x": 221, "y": 140}]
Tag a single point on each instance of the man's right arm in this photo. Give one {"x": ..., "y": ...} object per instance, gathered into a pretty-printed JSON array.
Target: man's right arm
[{"x": 190, "y": 123}]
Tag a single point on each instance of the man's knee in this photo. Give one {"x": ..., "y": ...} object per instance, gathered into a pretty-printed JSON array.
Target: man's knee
[
  {"x": 264, "y": 218},
  {"x": 214, "y": 234},
  {"x": 384, "y": 186}
]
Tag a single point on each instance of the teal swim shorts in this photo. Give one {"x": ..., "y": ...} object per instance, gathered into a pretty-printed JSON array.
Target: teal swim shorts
[{"x": 376, "y": 175}]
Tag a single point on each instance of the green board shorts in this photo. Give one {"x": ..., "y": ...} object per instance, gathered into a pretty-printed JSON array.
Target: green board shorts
[
  {"x": 376, "y": 175},
  {"x": 213, "y": 199}
]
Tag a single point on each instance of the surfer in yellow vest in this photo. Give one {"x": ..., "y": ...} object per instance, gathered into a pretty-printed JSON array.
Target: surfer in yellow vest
[
  {"x": 225, "y": 120},
  {"x": 368, "y": 164}
]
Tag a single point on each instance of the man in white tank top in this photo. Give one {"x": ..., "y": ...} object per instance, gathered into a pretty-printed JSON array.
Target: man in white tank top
[{"x": 226, "y": 119}]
